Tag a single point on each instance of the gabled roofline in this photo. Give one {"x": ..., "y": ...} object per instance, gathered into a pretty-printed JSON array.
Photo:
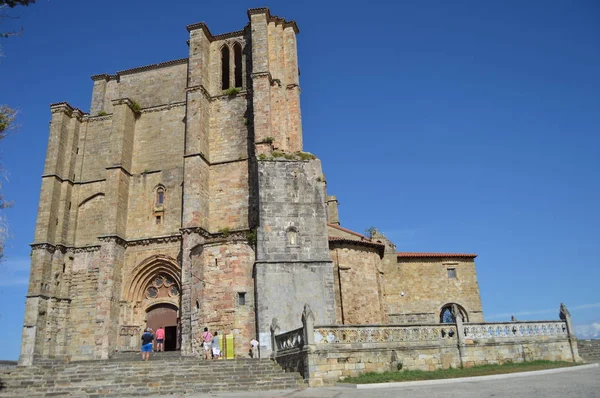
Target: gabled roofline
[
  {"x": 436, "y": 255},
  {"x": 349, "y": 231}
]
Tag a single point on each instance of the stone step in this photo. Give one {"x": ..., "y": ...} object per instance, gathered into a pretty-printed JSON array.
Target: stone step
[{"x": 136, "y": 377}]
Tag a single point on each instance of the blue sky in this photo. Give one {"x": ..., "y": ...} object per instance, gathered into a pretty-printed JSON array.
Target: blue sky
[{"x": 462, "y": 126}]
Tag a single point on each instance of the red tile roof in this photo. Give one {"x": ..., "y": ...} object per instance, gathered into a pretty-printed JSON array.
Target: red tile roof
[
  {"x": 349, "y": 231},
  {"x": 447, "y": 255}
]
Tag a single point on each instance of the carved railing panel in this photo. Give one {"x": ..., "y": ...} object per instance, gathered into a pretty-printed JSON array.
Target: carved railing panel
[
  {"x": 289, "y": 340},
  {"x": 384, "y": 333},
  {"x": 129, "y": 330},
  {"x": 515, "y": 329}
]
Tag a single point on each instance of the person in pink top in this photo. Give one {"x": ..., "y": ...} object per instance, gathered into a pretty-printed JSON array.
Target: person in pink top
[
  {"x": 160, "y": 339},
  {"x": 207, "y": 342}
]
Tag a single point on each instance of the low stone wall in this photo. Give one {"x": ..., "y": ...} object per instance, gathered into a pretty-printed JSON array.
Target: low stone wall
[
  {"x": 342, "y": 351},
  {"x": 589, "y": 350}
]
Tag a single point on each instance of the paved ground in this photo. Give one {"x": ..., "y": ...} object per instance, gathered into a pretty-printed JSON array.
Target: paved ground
[{"x": 569, "y": 384}]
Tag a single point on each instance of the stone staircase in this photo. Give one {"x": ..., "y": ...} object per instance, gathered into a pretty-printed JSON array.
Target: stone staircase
[
  {"x": 589, "y": 350},
  {"x": 126, "y": 375}
]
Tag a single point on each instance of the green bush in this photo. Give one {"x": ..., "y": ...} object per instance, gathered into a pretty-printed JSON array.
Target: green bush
[
  {"x": 135, "y": 106},
  {"x": 232, "y": 91}
]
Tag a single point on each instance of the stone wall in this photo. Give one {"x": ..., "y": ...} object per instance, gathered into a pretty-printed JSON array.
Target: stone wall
[
  {"x": 292, "y": 264},
  {"x": 589, "y": 350},
  {"x": 150, "y": 86},
  {"x": 84, "y": 284},
  {"x": 343, "y": 351},
  {"x": 222, "y": 272},
  {"x": 357, "y": 284},
  {"x": 427, "y": 288}
]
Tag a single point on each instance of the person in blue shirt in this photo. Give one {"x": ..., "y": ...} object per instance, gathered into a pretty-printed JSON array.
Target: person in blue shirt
[{"x": 147, "y": 339}]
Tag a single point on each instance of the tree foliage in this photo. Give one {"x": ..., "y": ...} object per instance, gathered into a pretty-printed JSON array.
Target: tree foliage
[
  {"x": 14, "y": 3},
  {"x": 7, "y": 123},
  {"x": 4, "y": 6}
]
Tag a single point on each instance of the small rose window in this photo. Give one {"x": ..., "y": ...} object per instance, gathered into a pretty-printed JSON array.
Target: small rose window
[{"x": 162, "y": 285}]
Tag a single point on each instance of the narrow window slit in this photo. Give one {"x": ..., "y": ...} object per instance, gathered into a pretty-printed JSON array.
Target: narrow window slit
[{"x": 225, "y": 68}]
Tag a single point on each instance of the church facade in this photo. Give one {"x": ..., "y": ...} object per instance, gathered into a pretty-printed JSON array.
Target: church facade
[{"x": 184, "y": 200}]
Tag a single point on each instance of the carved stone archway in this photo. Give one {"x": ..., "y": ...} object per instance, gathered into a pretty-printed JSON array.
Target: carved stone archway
[{"x": 153, "y": 284}]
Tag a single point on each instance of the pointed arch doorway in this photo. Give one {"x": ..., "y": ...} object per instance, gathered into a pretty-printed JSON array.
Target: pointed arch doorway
[
  {"x": 165, "y": 315},
  {"x": 155, "y": 290}
]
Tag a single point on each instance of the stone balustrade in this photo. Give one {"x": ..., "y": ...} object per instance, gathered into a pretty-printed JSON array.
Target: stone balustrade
[
  {"x": 506, "y": 330},
  {"x": 324, "y": 353},
  {"x": 289, "y": 340},
  {"x": 383, "y": 333}
]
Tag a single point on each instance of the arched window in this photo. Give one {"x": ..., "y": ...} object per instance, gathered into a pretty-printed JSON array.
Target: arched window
[
  {"x": 160, "y": 196},
  {"x": 237, "y": 62},
  {"x": 225, "y": 68},
  {"x": 292, "y": 236},
  {"x": 447, "y": 315}
]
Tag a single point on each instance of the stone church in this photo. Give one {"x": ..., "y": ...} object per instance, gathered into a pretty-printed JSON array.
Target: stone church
[{"x": 184, "y": 199}]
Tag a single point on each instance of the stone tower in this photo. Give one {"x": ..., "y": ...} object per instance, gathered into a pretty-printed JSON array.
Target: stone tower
[{"x": 183, "y": 199}]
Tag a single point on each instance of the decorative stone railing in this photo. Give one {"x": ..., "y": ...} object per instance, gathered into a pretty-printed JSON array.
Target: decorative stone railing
[
  {"x": 289, "y": 340},
  {"x": 383, "y": 334},
  {"x": 515, "y": 329},
  {"x": 129, "y": 330}
]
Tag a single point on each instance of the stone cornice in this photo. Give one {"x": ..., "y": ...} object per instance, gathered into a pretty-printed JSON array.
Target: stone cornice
[
  {"x": 85, "y": 249},
  {"x": 273, "y": 18},
  {"x": 262, "y": 74},
  {"x": 159, "y": 108},
  {"x": 154, "y": 240},
  {"x": 124, "y": 101},
  {"x": 61, "y": 107},
  {"x": 102, "y": 76},
  {"x": 200, "y": 88},
  {"x": 47, "y": 297},
  {"x": 97, "y": 118},
  {"x": 219, "y": 237},
  {"x": 59, "y": 178},
  {"x": 212, "y": 98},
  {"x": 120, "y": 166},
  {"x": 195, "y": 230},
  {"x": 43, "y": 246},
  {"x": 241, "y": 93},
  {"x": 203, "y": 157},
  {"x": 63, "y": 248},
  {"x": 113, "y": 238},
  {"x": 210, "y": 36},
  {"x": 64, "y": 107}
]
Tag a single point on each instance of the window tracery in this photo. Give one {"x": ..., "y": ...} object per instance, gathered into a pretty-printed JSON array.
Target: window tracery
[
  {"x": 162, "y": 286},
  {"x": 447, "y": 315}
]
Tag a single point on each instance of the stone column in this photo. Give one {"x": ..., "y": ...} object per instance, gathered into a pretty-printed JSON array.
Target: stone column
[
  {"x": 565, "y": 315},
  {"x": 190, "y": 240},
  {"x": 112, "y": 252},
  {"x": 274, "y": 329},
  {"x": 308, "y": 325},
  {"x": 460, "y": 332}
]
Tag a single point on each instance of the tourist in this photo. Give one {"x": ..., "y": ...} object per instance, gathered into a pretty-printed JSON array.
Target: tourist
[
  {"x": 216, "y": 347},
  {"x": 160, "y": 339},
  {"x": 254, "y": 348},
  {"x": 147, "y": 339},
  {"x": 207, "y": 342}
]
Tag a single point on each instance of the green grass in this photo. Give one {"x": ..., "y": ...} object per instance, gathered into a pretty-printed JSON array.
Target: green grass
[{"x": 412, "y": 375}]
